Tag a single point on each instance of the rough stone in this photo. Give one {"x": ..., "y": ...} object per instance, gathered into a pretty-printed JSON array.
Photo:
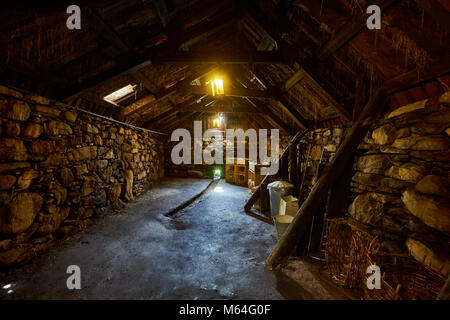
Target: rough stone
[
  {"x": 42, "y": 146},
  {"x": 128, "y": 185},
  {"x": 53, "y": 160},
  {"x": 422, "y": 143},
  {"x": 14, "y": 109},
  {"x": 437, "y": 261},
  {"x": 10, "y": 92},
  {"x": 12, "y": 128},
  {"x": 54, "y": 127},
  {"x": 70, "y": 116},
  {"x": 66, "y": 176},
  {"x": 83, "y": 153},
  {"x": 434, "y": 185},
  {"x": 434, "y": 212},
  {"x": 7, "y": 181},
  {"x": 406, "y": 172},
  {"x": 26, "y": 178},
  {"x": 11, "y": 256},
  {"x": 91, "y": 129},
  {"x": 32, "y": 130},
  {"x": 90, "y": 184},
  {"x": 13, "y": 165},
  {"x": 373, "y": 163},
  {"x": 12, "y": 148},
  {"x": 47, "y": 110},
  {"x": 408, "y": 108},
  {"x": 37, "y": 99},
  {"x": 384, "y": 135},
  {"x": 114, "y": 194},
  {"x": 18, "y": 212}
]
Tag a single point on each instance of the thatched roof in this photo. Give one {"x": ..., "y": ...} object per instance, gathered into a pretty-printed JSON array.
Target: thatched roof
[{"x": 290, "y": 64}]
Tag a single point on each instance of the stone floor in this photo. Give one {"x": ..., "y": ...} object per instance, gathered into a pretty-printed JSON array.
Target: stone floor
[{"x": 209, "y": 250}]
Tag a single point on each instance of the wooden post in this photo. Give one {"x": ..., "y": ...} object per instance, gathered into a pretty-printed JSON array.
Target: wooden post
[
  {"x": 319, "y": 192},
  {"x": 293, "y": 163}
]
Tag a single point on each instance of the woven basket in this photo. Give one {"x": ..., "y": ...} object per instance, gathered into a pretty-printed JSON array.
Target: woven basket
[
  {"x": 350, "y": 249},
  {"x": 404, "y": 278},
  {"x": 347, "y": 247}
]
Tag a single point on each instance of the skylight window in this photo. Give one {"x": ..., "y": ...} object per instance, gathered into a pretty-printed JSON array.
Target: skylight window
[{"x": 117, "y": 95}]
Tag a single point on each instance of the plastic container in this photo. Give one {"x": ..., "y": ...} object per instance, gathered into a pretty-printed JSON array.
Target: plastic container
[
  {"x": 281, "y": 224},
  {"x": 288, "y": 206},
  {"x": 277, "y": 190}
]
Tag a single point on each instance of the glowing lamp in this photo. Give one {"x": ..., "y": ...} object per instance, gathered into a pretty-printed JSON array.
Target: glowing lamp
[{"x": 217, "y": 87}]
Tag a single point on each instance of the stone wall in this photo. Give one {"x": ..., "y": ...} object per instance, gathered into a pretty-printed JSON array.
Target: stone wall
[
  {"x": 401, "y": 183},
  {"x": 61, "y": 167}
]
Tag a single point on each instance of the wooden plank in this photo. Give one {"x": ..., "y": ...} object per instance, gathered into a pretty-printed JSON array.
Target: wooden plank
[
  {"x": 343, "y": 157},
  {"x": 293, "y": 80}
]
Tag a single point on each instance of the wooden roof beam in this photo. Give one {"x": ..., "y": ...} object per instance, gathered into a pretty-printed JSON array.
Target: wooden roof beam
[
  {"x": 349, "y": 31},
  {"x": 414, "y": 77},
  {"x": 191, "y": 57},
  {"x": 437, "y": 11}
]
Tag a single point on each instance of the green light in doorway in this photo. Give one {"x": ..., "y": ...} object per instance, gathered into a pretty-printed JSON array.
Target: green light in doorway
[{"x": 217, "y": 174}]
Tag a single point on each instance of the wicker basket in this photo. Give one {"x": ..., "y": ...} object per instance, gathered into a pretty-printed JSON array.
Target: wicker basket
[
  {"x": 404, "y": 278},
  {"x": 350, "y": 249},
  {"x": 347, "y": 247}
]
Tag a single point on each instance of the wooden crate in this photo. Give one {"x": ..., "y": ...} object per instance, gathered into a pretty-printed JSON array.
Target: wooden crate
[{"x": 229, "y": 173}]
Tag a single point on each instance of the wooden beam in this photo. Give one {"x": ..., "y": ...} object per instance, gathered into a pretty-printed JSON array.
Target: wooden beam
[
  {"x": 221, "y": 109},
  {"x": 179, "y": 107},
  {"x": 414, "y": 77},
  {"x": 102, "y": 29},
  {"x": 162, "y": 11},
  {"x": 191, "y": 57},
  {"x": 258, "y": 104},
  {"x": 229, "y": 92},
  {"x": 349, "y": 31},
  {"x": 339, "y": 163},
  {"x": 437, "y": 11},
  {"x": 293, "y": 80},
  {"x": 285, "y": 104},
  {"x": 166, "y": 92},
  {"x": 100, "y": 102},
  {"x": 135, "y": 105},
  {"x": 343, "y": 112}
]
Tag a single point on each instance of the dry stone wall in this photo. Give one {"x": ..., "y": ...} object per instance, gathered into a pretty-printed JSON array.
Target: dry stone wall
[
  {"x": 60, "y": 167},
  {"x": 401, "y": 182}
]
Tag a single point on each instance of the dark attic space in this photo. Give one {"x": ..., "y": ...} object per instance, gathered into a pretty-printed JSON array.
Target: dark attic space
[{"x": 225, "y": 150}]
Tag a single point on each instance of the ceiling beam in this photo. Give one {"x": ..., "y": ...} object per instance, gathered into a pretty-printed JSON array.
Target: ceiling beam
[
  {"x": 284, "y": 103},
  {"x": 437, "y": 11},
  {"x": 190, "y": 57},
  {"x": 414, "y": 77},
  {"x": 349, "y": 31},
  {"x": 166, "y": 92},
  {"x": 135, "y": 105},
  {"x": 102, "y": 29},
  {"x": 229, "y": 92}
]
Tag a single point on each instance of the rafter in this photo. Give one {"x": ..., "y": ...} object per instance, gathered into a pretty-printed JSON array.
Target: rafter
[
  {"x": 190, "y": 57},
  {"x": 437, "y": 11},
  {"x": 414, "y": 77},
  {"x": 349, "y": 31}
]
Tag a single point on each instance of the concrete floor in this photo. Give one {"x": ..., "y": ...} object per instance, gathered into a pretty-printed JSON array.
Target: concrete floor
[{"x": 209, "y": 250}]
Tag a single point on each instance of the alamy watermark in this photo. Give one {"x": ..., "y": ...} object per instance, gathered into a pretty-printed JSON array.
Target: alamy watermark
[{"x": 213, "y": 153}]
